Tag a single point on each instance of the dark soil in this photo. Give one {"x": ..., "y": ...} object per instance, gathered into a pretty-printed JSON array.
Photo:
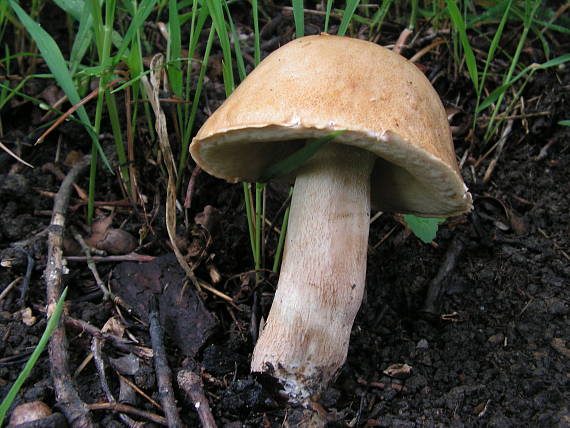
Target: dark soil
[{"x": 492, "y": 350}]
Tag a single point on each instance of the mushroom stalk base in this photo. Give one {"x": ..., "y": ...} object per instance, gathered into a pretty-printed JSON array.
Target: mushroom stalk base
[{"x": 305, "y": 340}]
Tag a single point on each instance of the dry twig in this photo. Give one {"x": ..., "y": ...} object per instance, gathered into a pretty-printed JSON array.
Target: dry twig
[
  {"x": 9, "y": 288},
  {"x": 163, "y": 372},
  {"x": 96, "y": 345},
  {"x": 191, "y": 186},
  {"x": 75, "y": 410},
  {"x": 131, "y": 257},
  {"x": 500, "y": 145},
  {"x": 26, "y": 282},
  {"x": 191, "y": 383},
  {"x": 124, "y": 408},
  {"x": 118, "y": 342},
  {"x": 90, "y": 263}
]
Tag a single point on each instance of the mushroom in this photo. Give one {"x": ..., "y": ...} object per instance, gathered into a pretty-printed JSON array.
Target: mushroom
[{"x": 395, "y": 154}]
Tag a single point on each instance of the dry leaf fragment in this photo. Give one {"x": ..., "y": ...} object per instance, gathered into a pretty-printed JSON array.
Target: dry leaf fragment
[{"x": 398, "y": 370}]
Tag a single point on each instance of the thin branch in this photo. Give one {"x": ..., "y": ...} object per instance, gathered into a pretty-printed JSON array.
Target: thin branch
[
  {"x": 96, "y": 345},
  {"x": 75, "y": 410},
  {"x": 163, "y": 372},
  {"x": 191, "y": 383},
  {"x": 191, "y": 186},
  {"x": 118, "y": 342},
  {"x": 124, "y": 408}
]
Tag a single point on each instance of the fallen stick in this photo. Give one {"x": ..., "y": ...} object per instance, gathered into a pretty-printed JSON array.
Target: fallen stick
[
  {"x": 96, "y": 346},
  {"x": 131, "y": 257},
  {"x": 124, "y": 408},
  {"x": 74, "y": 409},
  {"x": 191, "y": 186},
  {"x": 191, "y": 383},
  {"x": 163, "y": 372},
  {"x": 26, "y": 282},
  {"x": 118, "y": 342}
]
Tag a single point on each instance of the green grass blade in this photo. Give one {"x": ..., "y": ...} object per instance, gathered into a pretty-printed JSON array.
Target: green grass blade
[
  {"x": 491, "y": 14},
  {"x": 496, "y": 93},
  {"x": 198, "y": 18},
  {"x": 118, "y": 138},
  {"x": 5, "y": 91},
  {"x": 217, "y": 14},
  {"x": 4, "y": 18},
  {"x": 51, "y": 325},
  {"x": 327, "y": 16},
  {"x": 195, "y": 103},
  {"x": 142, "y": 13},
  {"x": 459, "y": 24},
  {"x": 8, "y": 93},
  {"x": 249, "y": 215},
  {"x": 554, "y": 27},
  {"x": 493, "y": 96},
  {"x": 174, "y": 50},
  {"x": 256, "y": 41},
  {"x": 173, "y": 60},
  {"x": 490, "y": 56},
  {"x": 83, "y": 38},
  {"x": 259, "y": 189},
  {"x": 380, "y": 14},
  {"x": 494, "y": 44},
  {"x": 281, "y": 242},
  {"x": 237, "y": 48},
  {"x": 529, "y": 14},
  {"x": 98, "y": 26},
  {"x": 203, "y": 14},
  {"x": 413, "y": 15},
  {"x": 292, "y": 162},
  {"x": 57, "y": 65},
  {"x": 71, "y": 7},
  {"x": 356, "y": 18},
  {"x": 554, "y": 62},
  {"x": 299, "y": 16},
  {"x": 50, "y": 52},
  {"x": 351, "y": 6}
]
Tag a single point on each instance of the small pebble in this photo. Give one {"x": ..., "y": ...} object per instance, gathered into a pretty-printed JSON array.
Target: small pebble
[
  {"x": 496, "y": 339},
  {"x": 422, "y": 344},
  {"x": 29, "y": 412}
]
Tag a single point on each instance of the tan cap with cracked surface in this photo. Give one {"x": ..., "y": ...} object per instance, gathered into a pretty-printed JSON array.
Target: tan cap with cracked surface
[{"x": 316, "y": 85}]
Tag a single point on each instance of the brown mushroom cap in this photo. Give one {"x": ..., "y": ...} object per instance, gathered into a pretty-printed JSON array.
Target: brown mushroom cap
[{"x": 316, "y": 85}]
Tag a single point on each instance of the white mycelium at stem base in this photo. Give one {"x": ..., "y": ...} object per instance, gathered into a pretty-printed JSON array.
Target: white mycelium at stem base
[{"x": 305, "y": 339}]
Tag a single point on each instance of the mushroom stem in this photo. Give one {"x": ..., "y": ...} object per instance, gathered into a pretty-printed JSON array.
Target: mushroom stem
[{"x": 305, "y": 340}]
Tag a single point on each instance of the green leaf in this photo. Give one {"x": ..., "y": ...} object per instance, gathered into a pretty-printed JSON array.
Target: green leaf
[
  {"x": 292, "y": 162},
  {"x": 564, "y": 122},
  {"x": 424, "y": 228}
]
